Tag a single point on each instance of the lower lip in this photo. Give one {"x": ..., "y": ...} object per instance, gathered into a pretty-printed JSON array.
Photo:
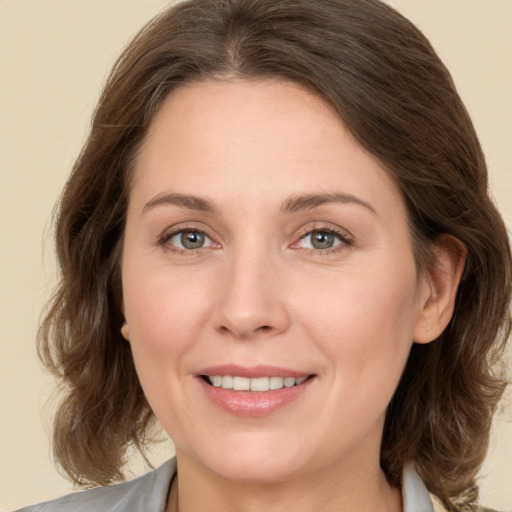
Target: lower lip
[{"x": 246, "y": 403}]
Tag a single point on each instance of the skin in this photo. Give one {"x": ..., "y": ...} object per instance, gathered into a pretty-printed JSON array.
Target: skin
[{"x": 259, "y": 292}]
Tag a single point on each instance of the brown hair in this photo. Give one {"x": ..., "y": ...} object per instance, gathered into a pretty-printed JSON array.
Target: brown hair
[{"x": 391, "y": 90}]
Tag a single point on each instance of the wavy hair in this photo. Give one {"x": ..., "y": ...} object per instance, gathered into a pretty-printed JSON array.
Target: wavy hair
[{"x": 388, "y": 86}]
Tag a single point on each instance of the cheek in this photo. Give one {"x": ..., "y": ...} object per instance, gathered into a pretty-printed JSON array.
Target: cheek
[
  {"x": 165, "y": 314},
  {"x": 364, "y": 322},
  {"x": 161, "y": 303}
]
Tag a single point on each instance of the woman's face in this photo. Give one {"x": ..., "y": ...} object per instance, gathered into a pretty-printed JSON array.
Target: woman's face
[{"x": 264, "y": 248}]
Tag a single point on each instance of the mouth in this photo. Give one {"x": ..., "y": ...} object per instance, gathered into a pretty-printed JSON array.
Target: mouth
[
  {"x": 254, "y": 385},
  {"x": 256, "y": 391}
]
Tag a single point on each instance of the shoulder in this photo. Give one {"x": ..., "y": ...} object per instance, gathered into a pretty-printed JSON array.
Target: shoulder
[{"x": 148, "y": 492}]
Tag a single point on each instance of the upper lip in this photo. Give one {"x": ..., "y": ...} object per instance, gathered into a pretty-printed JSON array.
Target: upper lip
[{"x": 252, "y": 372}]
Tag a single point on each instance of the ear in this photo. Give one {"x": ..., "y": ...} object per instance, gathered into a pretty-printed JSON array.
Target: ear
[
  {"x": 125, "y": 331},
  {"x": 439, "y": 288}
]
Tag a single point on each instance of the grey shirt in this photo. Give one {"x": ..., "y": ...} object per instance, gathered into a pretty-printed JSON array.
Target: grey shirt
[{"x": 149, "y": 492}]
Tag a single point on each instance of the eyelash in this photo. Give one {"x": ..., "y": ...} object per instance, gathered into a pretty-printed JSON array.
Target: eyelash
[
  {"x": 345, "y": 239},
  {"x": 164, "y": 239}
]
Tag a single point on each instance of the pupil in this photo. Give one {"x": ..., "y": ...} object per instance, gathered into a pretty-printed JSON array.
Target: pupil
[
  {"x": 192, "y": 239},
  {"x": 322, "y": 240}
]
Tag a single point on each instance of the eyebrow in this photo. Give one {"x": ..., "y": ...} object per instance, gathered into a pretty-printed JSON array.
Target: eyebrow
[
  {"x": 185, "y": 201},
  {"x": 291, "y": 205},
  {"x": 310, "y": 201}
]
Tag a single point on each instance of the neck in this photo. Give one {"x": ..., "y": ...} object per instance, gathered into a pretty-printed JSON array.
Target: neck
[{"x": 356, "y": 487}]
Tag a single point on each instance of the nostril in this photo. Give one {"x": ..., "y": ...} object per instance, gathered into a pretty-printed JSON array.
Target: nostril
[{"x": 245, "y": 332}]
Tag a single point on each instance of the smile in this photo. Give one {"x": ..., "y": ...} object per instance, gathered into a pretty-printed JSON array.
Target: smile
[
  {"x": 254, "y": 391},
  {"x": 258, "y": 384}
]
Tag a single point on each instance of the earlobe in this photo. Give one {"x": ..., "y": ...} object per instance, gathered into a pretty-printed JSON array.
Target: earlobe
[
  {"x": 439, "y": 290},
  {"x": 125, "y": 331}
]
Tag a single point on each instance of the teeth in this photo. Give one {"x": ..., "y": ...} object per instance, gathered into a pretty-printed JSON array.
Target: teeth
[
  {"x": 216, "y": 381},
  {"x": 276, "y": 382},
  {"x": 289, "y": 382},
  {"x": 227, "y": 382},
  {"x": 258, "y": 384},
  {"x": 240, "y": 383}
]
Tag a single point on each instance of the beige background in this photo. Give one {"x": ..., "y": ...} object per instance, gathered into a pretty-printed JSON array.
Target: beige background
[{"x": 54, "y": 56}]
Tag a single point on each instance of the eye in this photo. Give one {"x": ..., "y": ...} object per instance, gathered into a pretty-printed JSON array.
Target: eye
[
  {"x": 322, "y": 239},
  {"x": 188, "y": 239}
]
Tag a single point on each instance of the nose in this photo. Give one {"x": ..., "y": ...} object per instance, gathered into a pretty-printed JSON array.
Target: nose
[{"x": 253, "y": 298}]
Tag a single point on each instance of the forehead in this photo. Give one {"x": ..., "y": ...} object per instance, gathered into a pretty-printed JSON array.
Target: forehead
[
  {"x": 234, "y": 138},
  {"x": 243, "y": 114}
]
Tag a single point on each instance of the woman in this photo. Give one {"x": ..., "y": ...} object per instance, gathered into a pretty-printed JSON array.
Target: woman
[{"x": 278, "y": 241}]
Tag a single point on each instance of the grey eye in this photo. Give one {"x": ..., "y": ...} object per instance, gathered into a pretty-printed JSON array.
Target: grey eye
[
  {"x": 190, "y": 240},
  {"x": 319, "y": 239}
]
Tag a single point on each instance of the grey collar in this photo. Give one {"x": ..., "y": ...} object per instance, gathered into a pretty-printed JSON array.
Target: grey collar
[{"x": 414, "y": 492}]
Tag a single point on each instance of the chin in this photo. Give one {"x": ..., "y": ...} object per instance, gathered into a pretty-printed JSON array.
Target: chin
[
  {"x": 254, "y": 461},
  {"x": 273, "y": 470}
]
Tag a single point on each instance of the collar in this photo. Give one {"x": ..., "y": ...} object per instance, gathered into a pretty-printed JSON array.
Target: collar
[{"x": 415, "y": 495}]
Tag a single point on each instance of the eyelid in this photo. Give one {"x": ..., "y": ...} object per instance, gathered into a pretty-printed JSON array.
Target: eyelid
[
  {"x": 168, "y": 233},
  {"x": 343, "y": 235}
]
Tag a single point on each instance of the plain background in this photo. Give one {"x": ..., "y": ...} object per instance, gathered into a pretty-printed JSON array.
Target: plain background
[{"x": 54, "y": 56}]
